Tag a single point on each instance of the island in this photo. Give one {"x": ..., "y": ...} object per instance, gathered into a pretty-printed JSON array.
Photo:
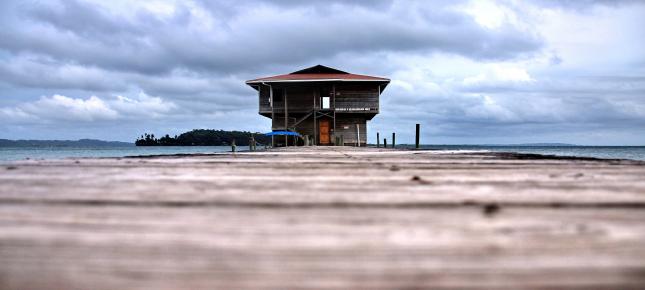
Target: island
[{"x": 203, "y": 137}]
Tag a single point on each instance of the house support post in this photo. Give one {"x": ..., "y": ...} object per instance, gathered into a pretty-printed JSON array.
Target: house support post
[
  {"x": 333, "y": 106},
  {"x": 272, "y": 114},
  {"x": 358, "y": 136}
]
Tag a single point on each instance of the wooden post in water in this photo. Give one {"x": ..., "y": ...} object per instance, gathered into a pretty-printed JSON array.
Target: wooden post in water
[
  {"x": 416, "y": 139},
  {"x": 378, "y": 140},
  {"x": 342, "y": 140},
  {"x": 393, "y": 139},
  {"x": 384, "y": 142},
  {"x": 272, "y": 116},
  {"x": 233, "y": 145}
]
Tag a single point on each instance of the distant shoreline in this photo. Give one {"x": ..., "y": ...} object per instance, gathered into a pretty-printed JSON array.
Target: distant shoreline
[{"x": 63, "y": 143}]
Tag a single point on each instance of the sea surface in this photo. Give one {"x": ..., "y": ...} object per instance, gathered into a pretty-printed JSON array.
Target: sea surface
[
  {"x": 8, "y": 154},
  {"x": 605, "y": 152}
]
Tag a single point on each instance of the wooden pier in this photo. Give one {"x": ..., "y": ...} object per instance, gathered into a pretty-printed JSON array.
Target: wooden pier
[{"x": 323, "y": 218}]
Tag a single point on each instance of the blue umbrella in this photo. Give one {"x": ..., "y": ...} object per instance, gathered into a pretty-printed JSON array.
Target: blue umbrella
[{"x": 282, "y": 133}]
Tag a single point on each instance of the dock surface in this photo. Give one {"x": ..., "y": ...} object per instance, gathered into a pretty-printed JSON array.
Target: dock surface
[{"x": 323, "y": 218}]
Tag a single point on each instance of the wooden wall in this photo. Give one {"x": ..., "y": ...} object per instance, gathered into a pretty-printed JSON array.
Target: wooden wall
[
  {"x": 357, "y": 97},
  {"x": 348, "y": 98},
  {"x": 264, "y": 99},
  {"x": 306, "y": 127},
  {"x": 299, "y": 99},
  {"x": 346, "y": 127}
]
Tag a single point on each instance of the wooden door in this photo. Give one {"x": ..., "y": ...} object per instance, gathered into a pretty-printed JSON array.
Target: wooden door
[{"x": 324, "y": 131}]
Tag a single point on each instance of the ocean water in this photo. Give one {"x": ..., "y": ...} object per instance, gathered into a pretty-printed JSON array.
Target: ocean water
[
  {"x": 8, "y": 154},
  {"x": 605, "y": 152}
]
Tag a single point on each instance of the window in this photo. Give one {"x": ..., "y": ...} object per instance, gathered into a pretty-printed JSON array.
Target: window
[
  {"x": 325, "y": 98},
  {"x": 325, "y": 102}
]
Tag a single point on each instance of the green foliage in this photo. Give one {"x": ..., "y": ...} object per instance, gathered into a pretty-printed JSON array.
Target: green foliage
[{"x": 203, "y": 137}]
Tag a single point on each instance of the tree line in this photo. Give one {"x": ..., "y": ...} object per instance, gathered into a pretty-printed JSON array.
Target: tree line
[{"x": 203, "y": 137}]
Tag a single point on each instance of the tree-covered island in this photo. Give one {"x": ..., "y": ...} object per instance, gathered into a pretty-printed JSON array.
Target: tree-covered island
[{"x": 203, "y": 137}]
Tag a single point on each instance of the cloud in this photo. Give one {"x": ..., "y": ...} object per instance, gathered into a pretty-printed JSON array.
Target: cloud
[
  {"x": 499, "y": 75},
  {"x": 93, "y": 109},
  {"x": 582, "y": 5},
  {"x": 29, "y": 71},
  {"x": 62, "y": 108},
  {"x": 468, "y": 70},
  {"x": 147, "y": 41}
]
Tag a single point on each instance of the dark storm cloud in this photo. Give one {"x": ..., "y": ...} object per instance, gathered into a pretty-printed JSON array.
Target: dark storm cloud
[
  {"x": 44, "y": 72},
  {"x": 86, "y": 34}
]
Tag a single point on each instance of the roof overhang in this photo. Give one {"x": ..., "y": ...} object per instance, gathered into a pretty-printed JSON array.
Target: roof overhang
[
  {"x": 317, "y": 74},
  {"x": 255, "y": 84},
  {"x": 315, "y": 80}
]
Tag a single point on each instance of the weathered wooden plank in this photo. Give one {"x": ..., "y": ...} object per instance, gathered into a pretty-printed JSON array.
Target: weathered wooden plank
[{"x": 323, "y": 218}]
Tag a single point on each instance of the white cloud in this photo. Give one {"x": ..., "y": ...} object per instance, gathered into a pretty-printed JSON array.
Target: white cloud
[
  {"x": 487, "y": 13},
  {"x": 496, "y": 74},
  {"x": 92, "y": 109},
  {"x": 488, "y": 107},
  {"x": 59, "y": 107},
  {"x": 144, "y": 106}
]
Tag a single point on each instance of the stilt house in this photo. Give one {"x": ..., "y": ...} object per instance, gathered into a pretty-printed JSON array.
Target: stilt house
[{"x": 325, "y": 104}]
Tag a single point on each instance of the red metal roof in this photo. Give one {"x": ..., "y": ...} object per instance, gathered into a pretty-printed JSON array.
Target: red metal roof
[
  {"x": 322, "y": 73},
  {"x": 318, "y": 77}
]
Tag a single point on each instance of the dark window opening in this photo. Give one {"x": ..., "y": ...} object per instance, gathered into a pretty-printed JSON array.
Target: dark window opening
[{"x": 278, "y": 95}]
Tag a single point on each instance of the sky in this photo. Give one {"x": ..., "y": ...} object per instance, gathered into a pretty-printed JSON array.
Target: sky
[{"x": 470, "y": 72}]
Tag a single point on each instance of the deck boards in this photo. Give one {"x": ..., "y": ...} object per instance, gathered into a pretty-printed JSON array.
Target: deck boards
[{"x": 323, "y": 218}]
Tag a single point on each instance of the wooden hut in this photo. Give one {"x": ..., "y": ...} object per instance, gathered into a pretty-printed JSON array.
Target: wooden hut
[{"x": 323, "y": 103}]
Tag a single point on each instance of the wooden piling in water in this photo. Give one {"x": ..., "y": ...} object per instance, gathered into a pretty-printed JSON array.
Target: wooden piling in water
[
  {"x": 378, "y": 140},
  {"x": 384, "y": 142},
  {"x": 233, "y": 145},
  {"x": 393, "y": 139},
  {"x": 416, "y": 139}
]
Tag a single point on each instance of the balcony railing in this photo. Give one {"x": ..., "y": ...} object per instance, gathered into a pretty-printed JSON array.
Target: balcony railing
[{"x": 350, "y": 107}]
